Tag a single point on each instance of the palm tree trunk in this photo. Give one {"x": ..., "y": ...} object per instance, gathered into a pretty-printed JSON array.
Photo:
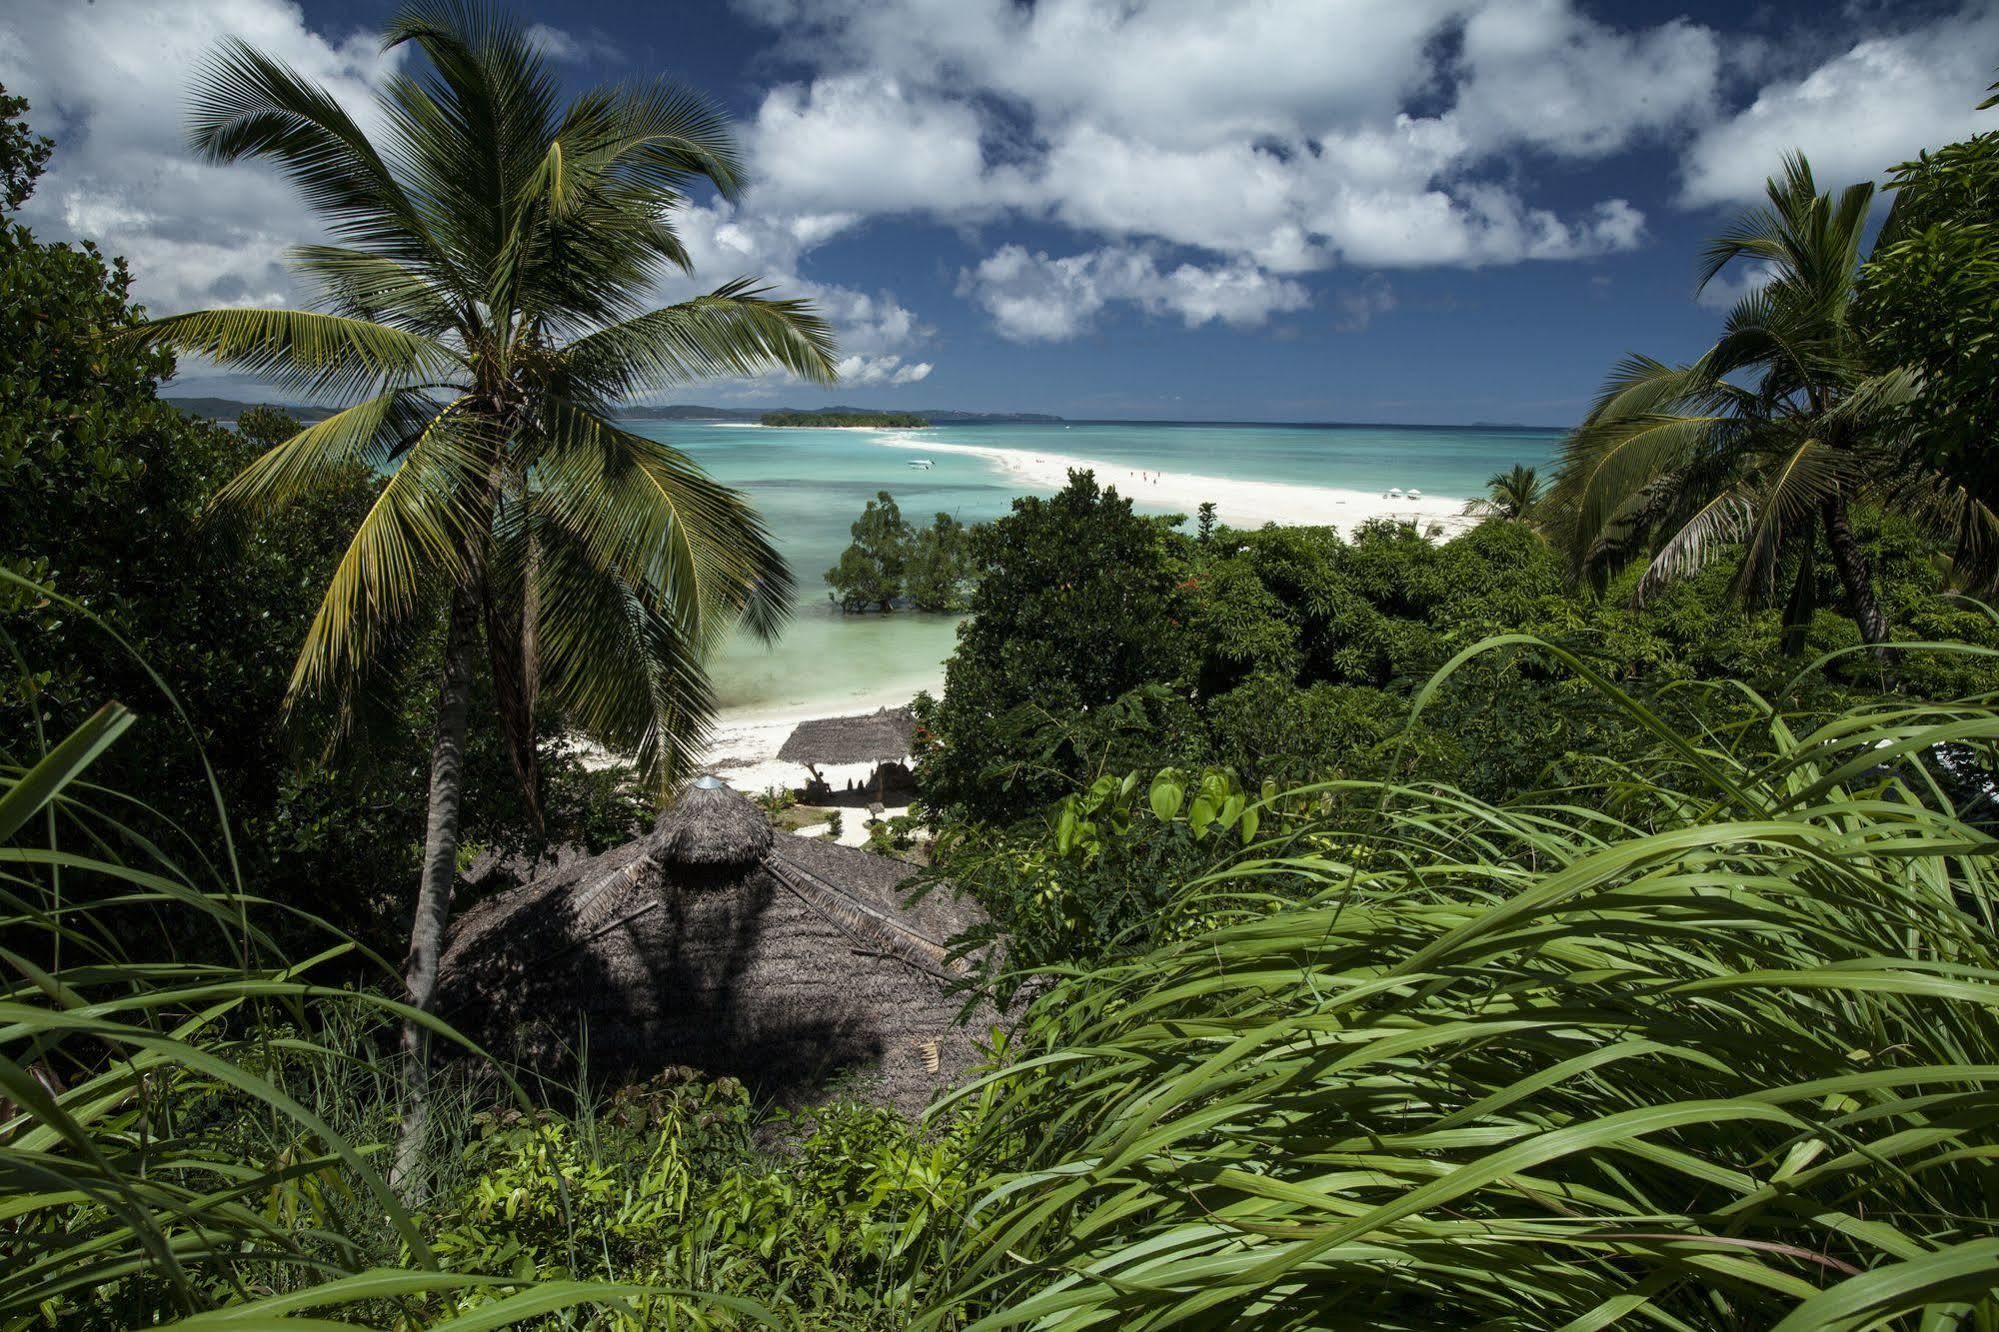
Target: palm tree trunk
[
  {"x": 1855, "y": 577},
  {"x": 440, "y": 867}
]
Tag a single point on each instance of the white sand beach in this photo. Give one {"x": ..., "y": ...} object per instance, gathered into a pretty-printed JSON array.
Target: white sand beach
[
  {"x": 1238, "y": 503},
  {"x": 743, "y": 748},
  {"x": 742, "y": 751}
]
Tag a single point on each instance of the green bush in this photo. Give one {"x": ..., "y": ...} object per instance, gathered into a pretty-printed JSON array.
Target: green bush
[
  {"x": 1707, "y": 1046},
  {"x": 105, "y": 501},
  {"x": 830, "y": 1219},
  {"x": 1291, "y": 654},
  {"x": 183, "y": 1134},
  {"x": 1077, "y": 604}
]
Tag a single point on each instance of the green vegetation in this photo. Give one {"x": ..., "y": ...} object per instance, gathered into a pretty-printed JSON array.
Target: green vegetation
[
  {"x": 1677, "y": 463},
  {"x": 1702, "y": 1042},
  {"x": 1585, "y": 921},
  {"x": 888, "y": 562},
  {"x": 870, "y": 573},
  {"x": 107, "y": 503},
  {"x": 1928, "y": 299},
  {"x": 178, "y": 1136},
  {"x": 880, "y": 420},
  {"x": 599, "y": 564},
  {"x": 1515, "y": 493}
]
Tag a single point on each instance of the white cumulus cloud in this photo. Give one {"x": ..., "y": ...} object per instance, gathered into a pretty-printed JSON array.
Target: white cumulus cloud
[
  {"x": 109, "y": 82},
  {"x": 881, "y": 370},
  {"x": 1273, "y": 136},
  {"x": 1540, "y": 72},
  {"x": 1034, "y": 298},
  {"x": 1857, "y": 114}
]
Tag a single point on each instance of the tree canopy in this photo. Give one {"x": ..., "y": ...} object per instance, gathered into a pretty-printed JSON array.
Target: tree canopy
[
  {"x": 1929, "y": 301},
  {"x": 881, "y": 420}
]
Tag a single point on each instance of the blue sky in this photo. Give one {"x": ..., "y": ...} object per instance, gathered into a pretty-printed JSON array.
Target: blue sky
[{"x": 1363, "y": 210}]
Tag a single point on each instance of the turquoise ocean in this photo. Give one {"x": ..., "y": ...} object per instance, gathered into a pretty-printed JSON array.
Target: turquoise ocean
[{"x": 810, "y": 485}]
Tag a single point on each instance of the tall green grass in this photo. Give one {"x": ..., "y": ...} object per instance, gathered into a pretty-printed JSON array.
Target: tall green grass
[
  {"x": 168, "y": 1082},
  {"x": 1711, "y": 1044}
]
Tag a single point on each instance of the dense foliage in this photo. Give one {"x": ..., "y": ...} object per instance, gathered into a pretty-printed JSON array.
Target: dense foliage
[
  {"x": 1765, "y": 442},
  {"x": 179, "y": 1136},
  {"x": 482, "y": 310},
  {"x": 889, "y": 562},
  {"x": 1703, "y": 1044},
  {"x": 106, "y": 502},
  {"x": 879, "y": 420},
  {"x": 1422, "y": 937},
  {"x": 940, "y": 565},
  {"x": 1929, "y": 300},
  {"x": 1076, "y": 607},
  {"x": 1290, "y": 655},
  {"x": 870, "y": 573}
]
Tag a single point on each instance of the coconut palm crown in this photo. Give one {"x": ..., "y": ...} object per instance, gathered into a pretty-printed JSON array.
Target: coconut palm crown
[
  {"x": 481, "y": 309},
  {"x": 1767, "y": 439},
  {"x": 1514, "y": 495},
  {"x": 483, "y": 312}
]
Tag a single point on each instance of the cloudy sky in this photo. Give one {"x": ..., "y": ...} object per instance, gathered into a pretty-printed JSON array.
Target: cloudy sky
[{"x": 1361, "y": 210}]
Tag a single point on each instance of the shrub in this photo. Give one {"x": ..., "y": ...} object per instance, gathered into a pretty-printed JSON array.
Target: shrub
[{"x": 1714, "y": 1057}]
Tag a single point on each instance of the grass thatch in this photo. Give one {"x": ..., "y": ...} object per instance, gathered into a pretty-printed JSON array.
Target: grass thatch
[
  {"x": 711, "y": 825},
  {"x": 799, "y": 964},
  {"x": 884, "y": 736}
]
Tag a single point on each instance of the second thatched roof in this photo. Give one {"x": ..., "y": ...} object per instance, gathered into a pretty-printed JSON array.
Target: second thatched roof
[{"x": 876, "y": 737}]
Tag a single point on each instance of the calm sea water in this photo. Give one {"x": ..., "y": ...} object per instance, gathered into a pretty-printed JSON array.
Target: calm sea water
[{"x": 812, "y": 484}]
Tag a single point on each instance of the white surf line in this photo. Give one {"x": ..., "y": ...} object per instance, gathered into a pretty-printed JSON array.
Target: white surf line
[{"x": 1237, "y": 502}]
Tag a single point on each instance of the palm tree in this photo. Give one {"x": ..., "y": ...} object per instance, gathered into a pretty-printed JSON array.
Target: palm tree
[
  {"x": 1766, "y": 440},
  {"x": 482, "y": 310},
  {"x": 1513, "y": 495}
]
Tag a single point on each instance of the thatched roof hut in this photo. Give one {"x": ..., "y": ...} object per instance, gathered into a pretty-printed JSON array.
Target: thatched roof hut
[
  {"x": 779, "y": 960},
  {"x": 885, "y": 736}
]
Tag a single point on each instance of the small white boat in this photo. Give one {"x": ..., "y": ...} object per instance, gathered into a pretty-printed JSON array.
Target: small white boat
[{"x": 921, "y": 464}]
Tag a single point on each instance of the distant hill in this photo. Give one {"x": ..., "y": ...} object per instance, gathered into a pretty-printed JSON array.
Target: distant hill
[
  {"x": 1024, "y": 418},
  {"x": 678, "y": 412},
  {"x": 228, "y": 409},
  {"x": 888, "y": 420}
]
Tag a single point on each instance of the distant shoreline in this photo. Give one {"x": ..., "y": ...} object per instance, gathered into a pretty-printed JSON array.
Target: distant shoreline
[
  {"x": 1239, "y": 503},
  {"x": 229, "y": 409}
]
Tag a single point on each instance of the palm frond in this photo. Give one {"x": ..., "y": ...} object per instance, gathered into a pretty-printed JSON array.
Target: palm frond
[
  {"x": 1789, "y": 491},
  {"x": 422, "y": 532},
  {"x": 300, "y": 351},
  {"x": 1609, "y": 465},
  {"x": 247, "y": 104},
  {"x": 623, "y": 670},
  {"x": 378, "y": 289},
  {"x": 735, "y": 330},
  {"x": 512, "y": 611},
  {"x": 686, "y": 545},
  {"x": 1951, "y": 515},
  {"x": 367, "y": 435},
  {"x": 1699, "y": 539}
]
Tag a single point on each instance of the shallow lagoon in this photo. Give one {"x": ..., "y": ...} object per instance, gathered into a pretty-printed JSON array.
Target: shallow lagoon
[{"x": 812, "y": 484}]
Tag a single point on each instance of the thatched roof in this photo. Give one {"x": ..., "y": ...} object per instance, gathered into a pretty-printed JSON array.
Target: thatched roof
[
  {"x": 877, "y": 737},
  {"x": 783, "y": 971},
  {"x": 714, "y": 826}
]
